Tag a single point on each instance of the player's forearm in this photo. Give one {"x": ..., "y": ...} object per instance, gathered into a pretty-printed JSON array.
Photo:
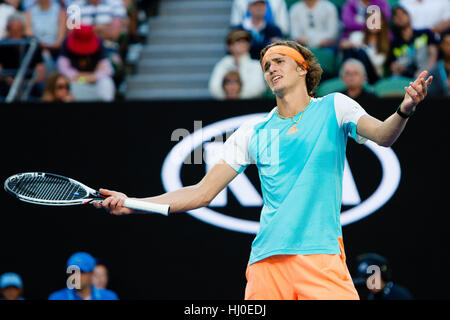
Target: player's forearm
[
  {"x": 184, "y": 199},
  {"x": 390, "y": 129}
]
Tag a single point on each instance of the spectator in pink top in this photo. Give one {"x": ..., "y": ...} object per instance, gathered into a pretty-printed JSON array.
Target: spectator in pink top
[
  {"x": 354, "y": 14},
  {"x": 83, "y": 60}
]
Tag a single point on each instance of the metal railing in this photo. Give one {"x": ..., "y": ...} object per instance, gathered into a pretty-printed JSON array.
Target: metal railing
[{"x": 19, "y": 77}]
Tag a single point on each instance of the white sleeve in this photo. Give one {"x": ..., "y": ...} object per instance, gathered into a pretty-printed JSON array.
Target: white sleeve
[
  {"x": 238, "y": 10},
  {"x": 236, "y": 152},
  {"x": 348, "y": 112},
  {"x": 295, "y": 22},
  {"x": 281, "y": 16}
]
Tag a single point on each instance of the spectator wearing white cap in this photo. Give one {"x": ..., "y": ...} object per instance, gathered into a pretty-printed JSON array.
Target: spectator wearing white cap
[
  {"x": 11, "y": 286},
  {"x": 277, "y": 13}
]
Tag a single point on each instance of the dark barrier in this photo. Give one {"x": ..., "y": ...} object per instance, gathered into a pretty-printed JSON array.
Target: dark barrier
[{"x": 123, "y": 147}]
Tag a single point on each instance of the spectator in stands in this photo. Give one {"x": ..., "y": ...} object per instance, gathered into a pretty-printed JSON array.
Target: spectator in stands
[
  {"x": 83, "y": 288},
  {"x": 14, "y": 3},
  {"x": 100, "y": 277},
  {"x": 354, "y": 13},
  {"x": 354, "y": 76},
  {"x": 6, "y": 10},
  {"x": 371, "y": 47},
  {"x": 374, "y": 274},
  {"x": 11, "y": 57},
  {"x": 106, "y": 16},
  {"x": 276, "y": 13},
  {"x": 11, "y": 286},
  {"x": 46, "y": 21},
  {"x": 238, "y": 59},
  {"x": 263, "y": 32},
  {"x": 84, "y": 62},
  {"x": 441, "y": 71},
  {"x": 428, "y": 14},
  {"x": 232, "y": 85},
  {"x": 412, "y": 50},
  {"x": 57, "y": 89},
  {"x": 314, "y": 23}
]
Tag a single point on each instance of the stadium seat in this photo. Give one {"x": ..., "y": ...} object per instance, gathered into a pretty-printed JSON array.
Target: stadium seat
[
  {"x": 391, "y": 87},
  {"x": 327, "y": 60},
  {"x": 336, "y": 85},
  {"x": 392, "y": 3},
  {"x": 328, "y": 86}
]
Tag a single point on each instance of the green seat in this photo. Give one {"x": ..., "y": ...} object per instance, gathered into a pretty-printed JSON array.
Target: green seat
[
  {"x": 327, "y": 60},
  {"x": 391, "y": 87},
  {"x": 336, "y": 85},
  {"x": 393, "y": 3},
  {"x": 329, "y": 86}
]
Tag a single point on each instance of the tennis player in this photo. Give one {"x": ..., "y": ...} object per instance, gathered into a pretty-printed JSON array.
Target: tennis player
[{"x": 298, "y": 252}]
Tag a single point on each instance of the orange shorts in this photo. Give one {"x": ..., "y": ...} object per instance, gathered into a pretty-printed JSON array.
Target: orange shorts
[{"x": 301, "y": 277}]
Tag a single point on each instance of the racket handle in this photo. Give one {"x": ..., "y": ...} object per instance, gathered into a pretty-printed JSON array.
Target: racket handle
[{"x": 147, "y": 206}]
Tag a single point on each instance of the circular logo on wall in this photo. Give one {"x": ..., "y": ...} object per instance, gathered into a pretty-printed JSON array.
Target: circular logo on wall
[{"x": 247, "y": 194}]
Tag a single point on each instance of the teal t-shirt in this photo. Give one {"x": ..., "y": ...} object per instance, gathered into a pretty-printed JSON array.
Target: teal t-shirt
[{"x": 301, "y": 174}]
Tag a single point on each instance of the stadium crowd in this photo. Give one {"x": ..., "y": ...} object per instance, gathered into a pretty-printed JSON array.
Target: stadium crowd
[
  {"x": 84, "y": 51},
  {"x": 387, "y": 43},
  {"x": 87, "y": 279},
  {"x": 392, "y": 39}
]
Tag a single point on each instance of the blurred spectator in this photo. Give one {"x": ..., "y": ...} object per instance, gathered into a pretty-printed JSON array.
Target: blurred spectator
[
  {"x": 100, "y": 278},
  {"x": 85, "y": 291},
  {"x": 83, "y": 61},
  {"x": 11, "y": 57},
  {"x": 353, "y": 74},
  {"x": 374, "y": 274},
  {"x": 6, "y": 11},
  {"x": 11, "y": 286},
  {"x": 232, "y": 85},
  {"x": 314, "y": 23},
  {"x": 238, "y": 59},
  {"x": 428, "y": 14},
  {"x": 57, "y": 89},
  {"x": 354, "y": 13},
  {"x": 14, "y": 3},
  {"x": 106, "y": 16},
  {"x": 371, "y": 47},
  {"x": 46, "y": 21},
  {"x": 276, "y": 13},
  {"x": 263, "y": 32},
  {"x": 441, "y": 71},
  {"x": 412, "y": 50}
]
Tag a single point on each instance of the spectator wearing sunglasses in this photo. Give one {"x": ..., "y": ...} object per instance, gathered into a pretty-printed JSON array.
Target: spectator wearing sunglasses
[
  {"x": 314, "y": 23},
  {"x": 232, "y": 85},
  {"x": 57, "y": 89}
]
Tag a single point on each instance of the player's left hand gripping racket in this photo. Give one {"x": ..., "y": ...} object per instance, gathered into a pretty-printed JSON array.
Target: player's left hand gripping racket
[{"x": 55, "y": 190}]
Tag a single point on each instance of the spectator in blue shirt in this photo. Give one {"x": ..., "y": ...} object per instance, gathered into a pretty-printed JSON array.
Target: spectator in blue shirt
[
  {"x": 11, "y": 286},
  {"x": 262, "y": 31},
  {"x": 83, "y": 288}
]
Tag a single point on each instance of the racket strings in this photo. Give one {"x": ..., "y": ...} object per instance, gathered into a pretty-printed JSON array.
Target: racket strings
[{"x": 48, "y": 188}]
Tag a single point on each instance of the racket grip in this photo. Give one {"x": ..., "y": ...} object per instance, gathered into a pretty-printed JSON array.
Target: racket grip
[{"x": 147, "y": 206}]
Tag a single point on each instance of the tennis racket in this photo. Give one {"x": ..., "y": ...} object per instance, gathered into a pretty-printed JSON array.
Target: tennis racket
[{"x": 55, "y": 190}]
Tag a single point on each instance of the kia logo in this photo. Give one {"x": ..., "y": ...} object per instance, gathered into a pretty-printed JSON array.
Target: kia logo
[{"x": 246, "y": 193}]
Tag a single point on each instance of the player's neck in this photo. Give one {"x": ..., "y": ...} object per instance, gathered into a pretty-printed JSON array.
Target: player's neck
[{"x": 292, "y": 103}]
